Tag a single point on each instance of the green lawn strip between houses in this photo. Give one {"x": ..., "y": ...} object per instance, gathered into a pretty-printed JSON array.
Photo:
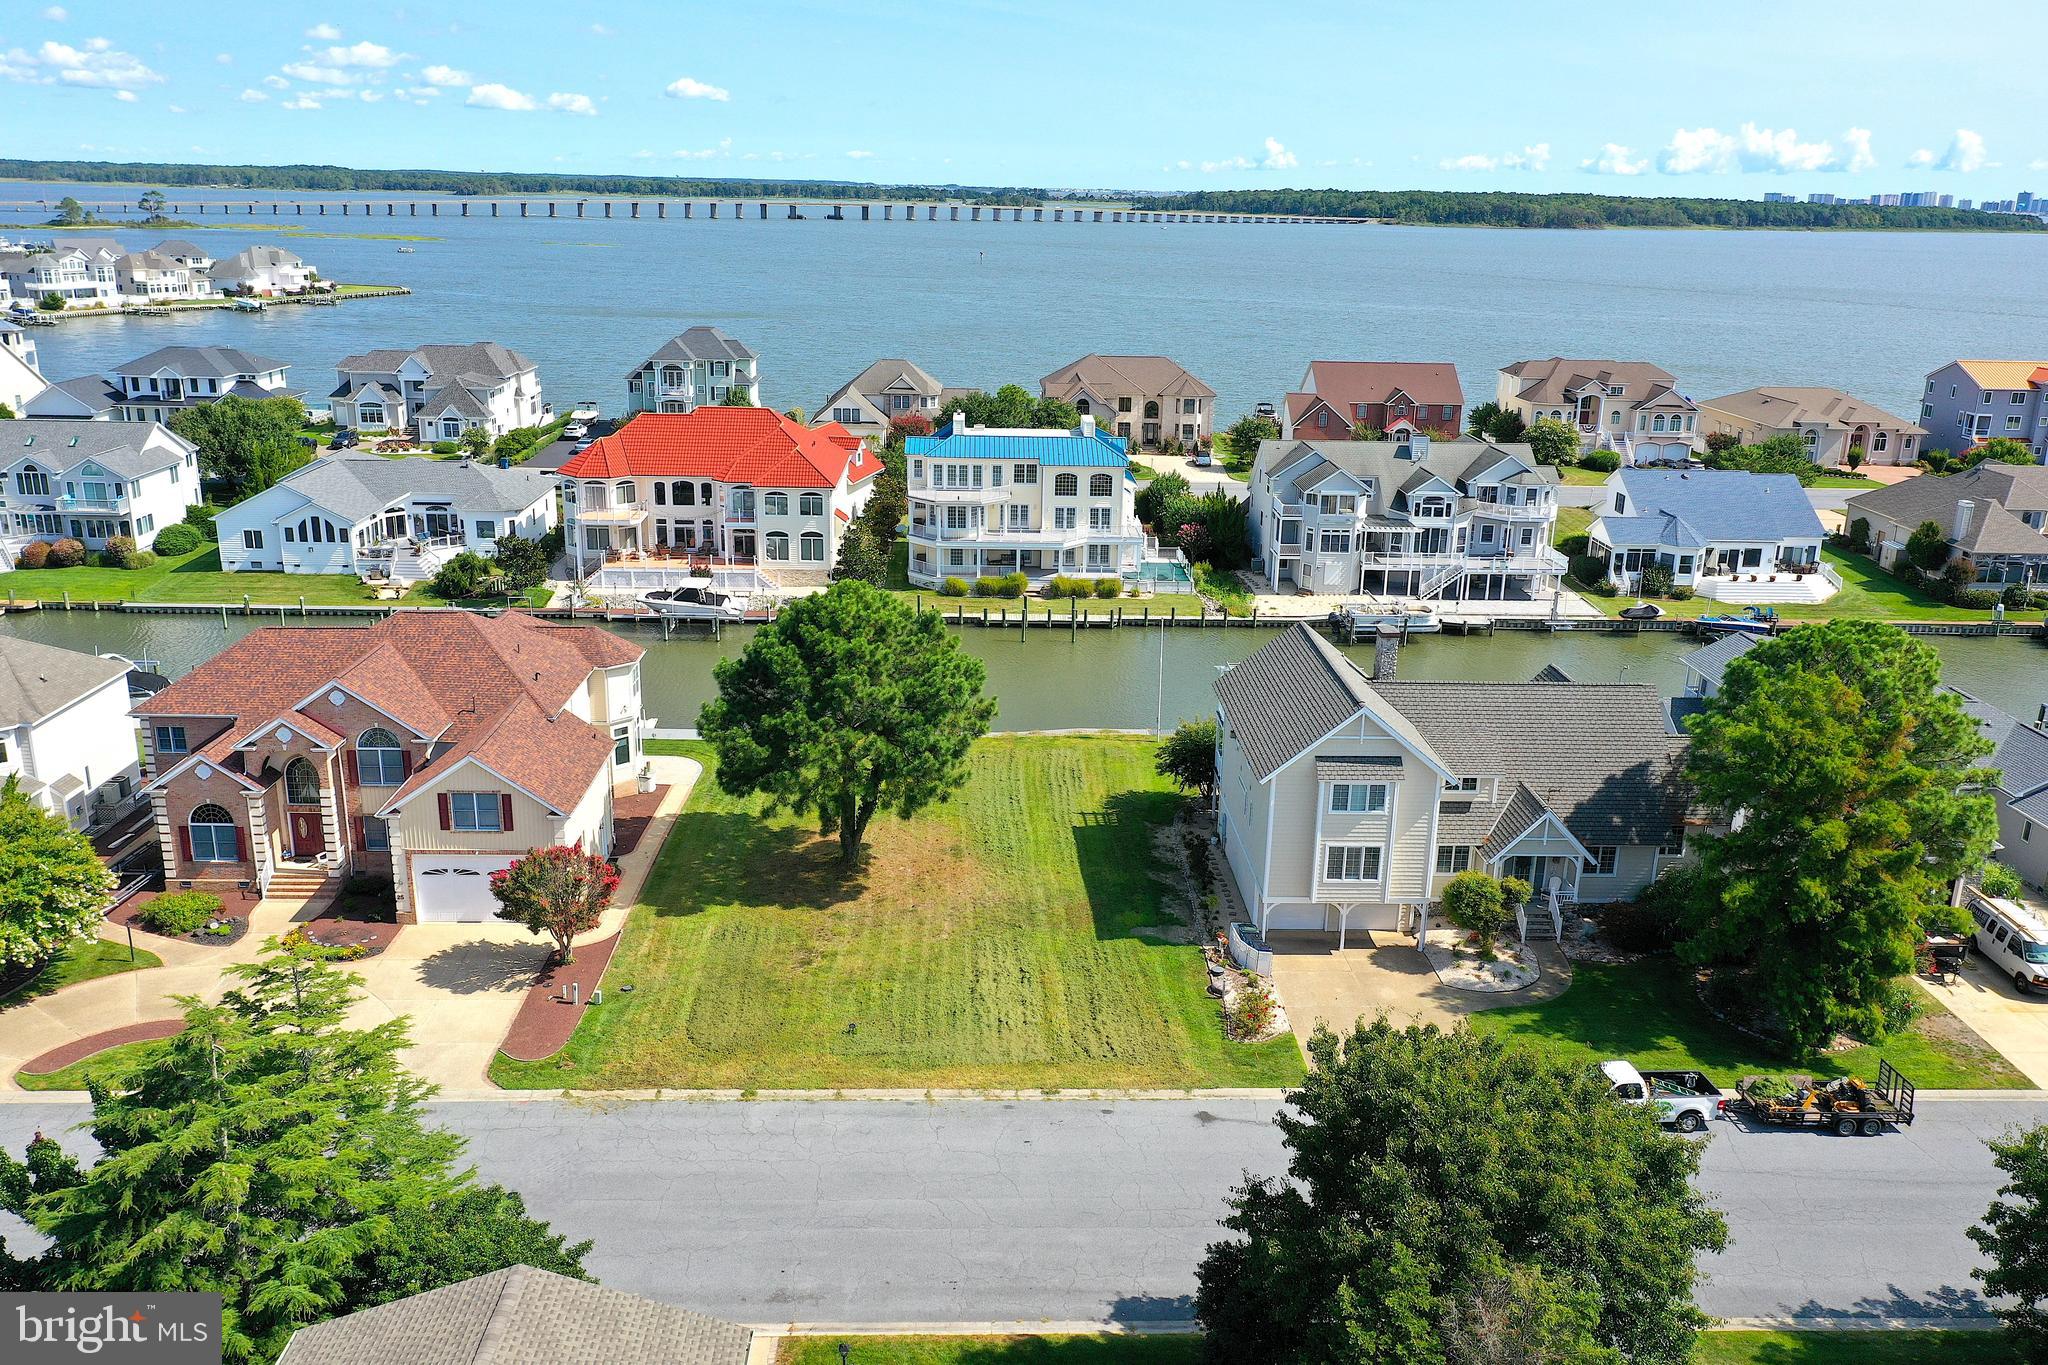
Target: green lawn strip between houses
[
  {"x": 1158, "y": 604},
  {"x": 993, "y": 941},
  {"x": 198, "y": 577},
  {"x": 1647, "y": 1012},
  {"x": 87, "y": 960},
  {"x": 1879, "y": 1347},
  {"x": 73, "y": 1077}
]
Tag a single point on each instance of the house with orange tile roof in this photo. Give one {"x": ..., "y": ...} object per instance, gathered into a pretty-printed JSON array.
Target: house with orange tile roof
[
  {"x": 1397, "y": 397},
  {"x": 1968, "y": 402},
  {"x": 434, "y": 747},
  {"x": 747, "y": 485}
]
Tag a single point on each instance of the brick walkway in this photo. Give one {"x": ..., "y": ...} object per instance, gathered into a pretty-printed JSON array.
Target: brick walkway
[{"x": 57, "y": 1058}]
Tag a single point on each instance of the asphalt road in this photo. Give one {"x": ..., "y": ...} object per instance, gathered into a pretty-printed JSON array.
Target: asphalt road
[{"x": 904, "y": 1211}]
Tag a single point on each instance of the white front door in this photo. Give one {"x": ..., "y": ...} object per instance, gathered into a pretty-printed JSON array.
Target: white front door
[{"x": 455, "y": 887}]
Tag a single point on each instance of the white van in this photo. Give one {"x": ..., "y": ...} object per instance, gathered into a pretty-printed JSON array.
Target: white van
[{"x": 2012, "y": 940}]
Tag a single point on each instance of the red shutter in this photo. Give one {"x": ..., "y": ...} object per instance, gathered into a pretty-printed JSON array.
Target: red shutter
[
  {"x": 355, "y": 757},
  {"x": 405, "y": 763},
  {"x": 505, "y": 800},
  {"x": 357, "y": 821},
  {"x": 185, "y": 843},
  {"x": 239, "y": 855},
  {"x": 447, "y": 820}
]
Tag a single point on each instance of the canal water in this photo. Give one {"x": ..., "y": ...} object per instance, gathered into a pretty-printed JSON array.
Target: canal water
[{"x": 1101, "y": 679}]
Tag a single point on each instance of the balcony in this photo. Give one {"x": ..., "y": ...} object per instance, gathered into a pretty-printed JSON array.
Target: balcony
[
  {"x": 92, "y": 504},
  {"x": 610, "y": 516},
  {"x": 960, "y": 495}
]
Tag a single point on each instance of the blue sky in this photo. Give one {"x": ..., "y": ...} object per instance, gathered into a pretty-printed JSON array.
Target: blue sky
[{"x": 1648, "y": 97}]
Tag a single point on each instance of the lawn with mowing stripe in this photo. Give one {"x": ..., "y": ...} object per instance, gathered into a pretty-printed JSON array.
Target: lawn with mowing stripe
[
  {"x": 86, "y": 960},
  {"x": 1646, "y": 1011},
  {"x": 1176, "y": 1349},
  {"x": 1878, "y": 1347},
  {"x": 73, "y": 1077},
  {"x": 991, "y": 941}
]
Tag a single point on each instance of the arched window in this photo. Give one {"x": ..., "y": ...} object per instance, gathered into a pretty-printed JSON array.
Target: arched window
[
  {"x": 775, "y": 504},
  {"x": 1151, "y": 410},
  {"x": 301, "y": 783},
  {"x": 1099, "y": 485},
  {"x": 369, "y": 414},
  {"x": 778, "y": 545},
  {"x": 811, "y": 504},
  {"x": 593, "y": 495},
  {"x": 213, "y": 836},
  {"x": 1081, "y": 406},
  {"x": 380, "y": 762},
  {"x": 812, "y": 547},
  {"x": 623, "y": 491},
  {"x": 1065, "y": 486}
]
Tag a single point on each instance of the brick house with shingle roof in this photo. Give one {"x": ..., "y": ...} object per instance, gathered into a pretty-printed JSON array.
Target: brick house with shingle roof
[
  {"x": 1142, "y": 398},
  {"x": 433, "y": 746},
  {"x": 1398, "y": 397},
  {"x": 1346, "y": 804}
]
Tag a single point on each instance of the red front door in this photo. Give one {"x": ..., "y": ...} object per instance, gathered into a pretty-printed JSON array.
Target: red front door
[{"x": 309, "y": 835}]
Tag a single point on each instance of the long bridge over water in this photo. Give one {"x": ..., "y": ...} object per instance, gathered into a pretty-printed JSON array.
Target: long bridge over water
[{"x": 831, "y": 210}]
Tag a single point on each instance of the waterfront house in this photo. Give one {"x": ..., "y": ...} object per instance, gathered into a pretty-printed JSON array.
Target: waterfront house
[
  {"x": 1830, "y": 422},
  {"x": 702, "y": 367},
  {"x": 92, "y": 481},
  {"x": 987, "y": 501},
  {"x": 153, "y": 277},
  {"x": 170, "y": 379},
  {"x": 744, "y": 484},
  {"x": 1970, "y": 401},
  {"x": 382, "y": 518},
  {"x": 1415, "y": 518},
  {"x": 2019, "y": 752},
  {"x": 88, "y": 398},
  {"x": 1394, "y": 397},
  {"x": 1631, "y": 407},
  {"x": 263, "y": 272},
  {"x": 20, "y": 380},
  {"x": 433, "y": 747},
  {"x": 65, "y": 735},
  {"x": 80, "y": 272},
  {"x": 1345, "y": 804},
  {"x": 521, "y": 1314},
  {"x": 1724, "y": 533},
  {"x": 436, "y": 393},
  {"x": 1143, "y": 398},
  {"x": 886, "y": 390},
  {"x": 1993, "y": 515},
  {"x": 192, "y": 257}
]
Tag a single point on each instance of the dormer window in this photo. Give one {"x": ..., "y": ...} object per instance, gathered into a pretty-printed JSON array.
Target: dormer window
[{"x": 1462, "y": 784}]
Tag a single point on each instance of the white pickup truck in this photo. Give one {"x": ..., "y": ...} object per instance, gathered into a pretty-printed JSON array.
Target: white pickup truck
[{"x": 1684, "y": 1100}]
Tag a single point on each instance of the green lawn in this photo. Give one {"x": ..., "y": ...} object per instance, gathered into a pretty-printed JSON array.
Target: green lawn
[
  {"x": 1854, "y": 1348},
  {"x": 196, "y": 577},
  {"x": 994, "y": 941},
  {"x": 1226, "y": 590},
  {"x": 83, "y": 961},
  {"x": 1647, "y": 1013},
  {"x": 1867, "y": 593},
  {"x": 1573, "y": 521},
  {"x": 1071, "y": 1350},
  {"x": 1572, "y": 474},
  {"x": 73, "y": 1077},
  {"x": 931, "y": 599}
]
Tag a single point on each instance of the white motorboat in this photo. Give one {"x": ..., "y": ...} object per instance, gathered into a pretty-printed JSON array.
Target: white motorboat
[{"x": 695, "y": 599}]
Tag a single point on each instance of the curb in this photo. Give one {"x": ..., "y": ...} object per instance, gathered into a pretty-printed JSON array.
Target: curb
[
  {"x": 1036, "y": 1327},
  {"x": 828, "y": 1096},
  {"x": 1976, "y": 1322}
]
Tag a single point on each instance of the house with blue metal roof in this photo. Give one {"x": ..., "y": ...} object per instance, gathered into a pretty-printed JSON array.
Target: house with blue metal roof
[
  {"x": 1724, "y": 533},
  {"x": 987, "y": 502}
]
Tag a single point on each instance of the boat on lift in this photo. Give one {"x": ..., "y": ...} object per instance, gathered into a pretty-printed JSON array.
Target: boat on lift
[
  {"x": 697, "y": 599},
  {"x": 1754, "y": 620}
]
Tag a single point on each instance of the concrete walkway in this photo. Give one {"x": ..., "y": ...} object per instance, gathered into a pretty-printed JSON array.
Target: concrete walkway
[
  {"x": 462, "y": 984},
  {"x": 1320, "y": 984},
  {"x": 2014, "y": 1024}
]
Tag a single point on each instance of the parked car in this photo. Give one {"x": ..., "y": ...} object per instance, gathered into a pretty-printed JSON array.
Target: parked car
[
  {"x": 1201, "y": 459},
  {"x": 583, "y": 445},
  {"x": 345, "y": 439},
  {"x": 2012, "y": 940},
  {"x": 1684, "y": 1100},
  {"x": 575, "y": 431}
]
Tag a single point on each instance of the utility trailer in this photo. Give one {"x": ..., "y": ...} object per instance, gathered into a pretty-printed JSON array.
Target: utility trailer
[{"x": 1847, "y": 1106}]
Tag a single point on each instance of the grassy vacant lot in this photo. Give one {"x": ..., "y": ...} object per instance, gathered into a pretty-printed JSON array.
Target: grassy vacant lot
[
  {"x": 1715, "y": 1348},
  {"x": 85, "y": 961},
  {"x": 1647, "y": 1012},
  {"x": 73, "y": 1077},
  {"x": 997, "y": 940},
  {"x": 198, "y": 577}
]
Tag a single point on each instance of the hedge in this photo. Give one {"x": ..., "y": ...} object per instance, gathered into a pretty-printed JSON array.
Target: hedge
[
  {"x": 178, "y": 539},
  {"x": 179, "y": 913}
]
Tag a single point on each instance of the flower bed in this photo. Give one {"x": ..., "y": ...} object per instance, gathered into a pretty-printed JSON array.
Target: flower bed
[{"x": 1465, "y": 962}]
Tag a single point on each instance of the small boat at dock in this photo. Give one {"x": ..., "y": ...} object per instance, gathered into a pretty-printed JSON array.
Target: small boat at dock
[
  {"x": 696, "y": 600},
  {"x": 248, "y": 305},
  {"x": 1752, "y": 621},
  {"x": 1357, "y": 621}
]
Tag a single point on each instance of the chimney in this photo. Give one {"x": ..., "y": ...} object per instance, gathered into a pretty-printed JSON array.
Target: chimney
[
  {"x": 1087, "y": 424},
  {"x": 1386, "y": 651},
  {"x": 1965, "y": 510}
]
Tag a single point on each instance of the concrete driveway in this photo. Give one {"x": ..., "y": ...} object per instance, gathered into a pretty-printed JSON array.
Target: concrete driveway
[
  {"x": 1320, "y": 985},
  {"x": 1199, "y": 480},
  {"x": 2015, "y": 1024}
]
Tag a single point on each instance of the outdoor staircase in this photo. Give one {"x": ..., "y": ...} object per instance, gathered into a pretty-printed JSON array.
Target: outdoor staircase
[
  {"x": 299, "y": 882},
  {"x": 1439, "y": 578},
  {"x": 1807, "y": 590}
]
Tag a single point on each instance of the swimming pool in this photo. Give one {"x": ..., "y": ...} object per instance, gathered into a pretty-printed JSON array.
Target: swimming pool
[{"x": 1164, "y": 571}]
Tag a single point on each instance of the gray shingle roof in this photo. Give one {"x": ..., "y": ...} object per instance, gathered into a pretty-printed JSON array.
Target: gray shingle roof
[
  {"x": 1622, "y": 533},
  {"x": 1357, "y": 767},
  {"x": 1107, "y": 375},
  {"x": 700, "y": 343},
  {"x": 1389, "y": 465},
  {"x": 1711, "y": 660},
  {"x": 36, "y": 679},
  {"x": 122, "y": 448},
  {"x": 217, "y": 362},
  {"x": 1551, "y": 673},
  {"x": 1933, "y": 497},
  {"x": 1724, "y": 504},
  {"x": 95, "y": 391},
  {"x": 1558, "y": 379},
  {"x": 1523, "y": 809},
  {"x": 453, "y": 398},
  {"x": 358, "y": 486},
  {"x": 895, "y": 376},
  {"x": 482, "y": 362},
  {"x": 254, "y": 259},
  {"x": 521, "y": 1316},
  {"x": 1288, "y": 695}
]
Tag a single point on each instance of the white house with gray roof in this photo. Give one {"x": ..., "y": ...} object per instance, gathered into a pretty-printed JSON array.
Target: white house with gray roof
[
  {"x": 80, "y": 271},
  {"x": 1724, "y": 533},
  {"x": 91, "y": 481},
  {"x": 170, "y": 379},
  {"x": 700, "y": 367},
  {"x": 382, "y": 518},
  {"x": 1345, "y": 804},
  {"x": 436, "y": 393},
  {"x": 20, "y": 379},
  {"x": 886, "y": 390},
  {"x": 1405, "y": 519},
  {"x": 65, "y": 733},
  {"x": 263, "y": 271}
]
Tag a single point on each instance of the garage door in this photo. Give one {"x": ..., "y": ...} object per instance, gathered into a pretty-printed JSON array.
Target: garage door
[
  {"x": 454, "y": 887},
  {"x": 1295, "y": 916}
]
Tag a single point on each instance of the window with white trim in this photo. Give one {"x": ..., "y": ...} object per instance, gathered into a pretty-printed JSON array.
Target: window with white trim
[
  {"x": 1358, "y": 797},
  {"x": 1601, "y": 864},
  {"x": 1351, "y": 863},
  {"x": 215, "y": 839},
  {"x": 1674, "y": 849},
  {"x": 1462, "y": 784},
  {"x": 380, "y": 762},
  {"x": 476, "y": 810},
  {"x": 811, "y": 547},
  {"x": 1453, "y": 858},
  {"x": 811, "y": 504}
]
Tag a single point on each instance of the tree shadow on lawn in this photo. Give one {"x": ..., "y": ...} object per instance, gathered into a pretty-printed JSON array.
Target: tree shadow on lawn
[
  {"x": 716, "y": 858},
  {"x": 1120, "y": 871}
]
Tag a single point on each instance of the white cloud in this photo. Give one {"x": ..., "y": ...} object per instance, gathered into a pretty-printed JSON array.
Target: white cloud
[
  {"x": 276, "y": 82},
  {"x": 1615, "y": 159},
  {"x": 2039, "y": 163},
  {"x": 175, "y": 108},
  {"x": 317, "y": 74},
  {"x": 224, "y": 58},
  {"x": 56, "y": 14},
  {"x": 1692, "y": 150},
  {"x": 125, "y": 96},
  {"x": 375, "y": 56},
  {"x": 603, "y": 30},
  {"x": 1922, "y": 157},
  {"x": 860, "y": 156},
  {"x": 98, "y": 64},
  {"x": 1534, "y": 157},
  {"x": 447, "y": 75},
  {"x": 1965, "y": 153},
  {"x": 1472, "y": 161},
  {"x": 1781, "y": 152},
  {"x": 370, "y": 96},
  {"x": 254, "y": 97},
  {"x": 724, "y": 148},
  {"x": 572, "y": 104},
  {"x": 325, "y": 33},
  {"x": 415, "y": 94},
  {"x": 689, "y": 88},
  {"x": 495, "y": 96},
  {"x": 1278, "y": 158},
  {"x": 1858, "y": 142},
  {"x": 306, "y": 100}
]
